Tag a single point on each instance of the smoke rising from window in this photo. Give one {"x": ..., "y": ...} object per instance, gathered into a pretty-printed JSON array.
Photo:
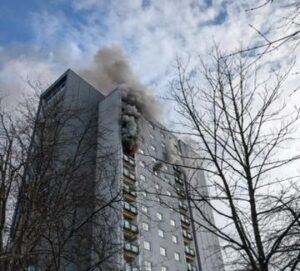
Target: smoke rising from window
[{"x": 110, "y": 70}]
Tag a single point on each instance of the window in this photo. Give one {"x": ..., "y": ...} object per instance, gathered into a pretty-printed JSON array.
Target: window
[
  {"x": 160, "y": 233},
  {"x": 176, "y": 256},
  {"x": 152, "y": 136},
  {"x": 163, "y": 145},
  {"x": 159, "y": 216},
  {"x": 169, "y": 193},
  {"x": 145, "y": 226},
  {"x": 148, "y": 266},
  {"x": 147, "y": 245},
  {"x": 142, "y": 178},
  {"x": 162, "y": 135},
  {"x": 142, "y": 163},
  {"x": 153, "y": 148},
  {"x": 162, "y": 251},
  {"x": 156, "y": 186},
  {"x": 163, "y": 268},
  {"x": 172, "y": 222},
  {"x": 144, "y": 209},
  {"x": 144, "y": 194},
  {"x": 155, "y": 173},
  {"x": 174, "y": 239},
  {"x": 126, "y": 171},
  {"x": 151, "y": 125},
  {"x": 58, "y": 88},
  {"x": 153, "y": 160},
  {"x": 141, "y": 151}
]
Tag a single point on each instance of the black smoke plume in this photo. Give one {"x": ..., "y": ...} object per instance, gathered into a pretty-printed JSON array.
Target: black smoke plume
[{"x": 111, "y": 70}]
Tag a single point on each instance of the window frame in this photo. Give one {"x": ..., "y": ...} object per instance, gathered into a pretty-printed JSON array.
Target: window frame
[
  {"x": 163, "y": 251},
  {"x": 144, "y": 209},
  {"x": 145, "y": 226},
  {"x": 177, "y": 256},
  {"x": 153, "y": 148},
  {"x": 161, "y": 233},
  {"x": 148, "y": 266},
  {"x": 145, "y": 245},
  {"x": 142, "y": 177}
]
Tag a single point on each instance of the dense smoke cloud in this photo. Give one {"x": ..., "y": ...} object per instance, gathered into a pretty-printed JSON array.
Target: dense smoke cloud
[
  {"x": 173, "y": 157},
  {"x": 111, "y": 70}
]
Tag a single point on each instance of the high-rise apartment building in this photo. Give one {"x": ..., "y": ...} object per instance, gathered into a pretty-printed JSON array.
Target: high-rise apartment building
[{"x": 142, "y": 218}]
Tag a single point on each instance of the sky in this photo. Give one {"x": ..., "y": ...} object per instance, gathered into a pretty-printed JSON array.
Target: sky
[{"x": 39, "y": 40}]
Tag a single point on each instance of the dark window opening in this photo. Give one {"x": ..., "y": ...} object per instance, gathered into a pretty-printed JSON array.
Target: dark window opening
[{"x": 57, "y": 88}]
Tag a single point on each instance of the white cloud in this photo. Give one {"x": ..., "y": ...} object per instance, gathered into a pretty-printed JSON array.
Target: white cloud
[
  {"x": 151, "y": 35},
  {"x": 15, "y": 74}
]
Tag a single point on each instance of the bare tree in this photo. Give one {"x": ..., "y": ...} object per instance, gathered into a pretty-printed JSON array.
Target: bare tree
[
  {"x": 285, "y": 30},
  {"x": 48, "y": 162},
  {"x": 243, "y": 131},
  {"x": 14, "y": 141}
]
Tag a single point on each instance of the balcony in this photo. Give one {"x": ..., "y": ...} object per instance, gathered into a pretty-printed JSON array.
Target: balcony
[
  {"x": 129, "y": 192},
  {"x": 129, "y": 160},
  {"x": 130, "y": 250},
  {"x": 129, "y": 267},
  {"x": 130, "y": 230},
  {"x": 183, "y": 206},
  {"x": 130, "y": 210},
  {"x": 191, "y": 267},
  {"x": 129, "y": 175},
  {"x": 179, "y": 180},
  {"x": 185, "y": 221},
  {"x": 180, "y": 192},
  {"x": 187, "y": 236},
  {"x": 177, "y": 169},
  {"x": 190, "y": 253}
]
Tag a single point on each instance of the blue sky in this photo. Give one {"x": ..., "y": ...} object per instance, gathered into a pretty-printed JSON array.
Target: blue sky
[{"x": 41, "y": 39}]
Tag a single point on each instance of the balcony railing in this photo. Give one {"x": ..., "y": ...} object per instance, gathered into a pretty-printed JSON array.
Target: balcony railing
[
  {"x": 184, "y": 219},
  {"x": 176, "y": 169},
  {"x": 179, "y": 180},
  {"x": 183, "y": 206},
  {"x": 129, "y": 190},
  {"x": 191, "y": 267},
  {"x": 187, "y": 235},
  {"x": 128, "y": 173},
  {"x": 130, "y": 226},
  {"x": 180, "y": 191},
  {"x": 189, "y": 250},
  {"x": 129, "y": 267},
  {"x": 129, "y": 159},
  {"x": 130, "y": 208},
  {"x": 131, "y": 248}
]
